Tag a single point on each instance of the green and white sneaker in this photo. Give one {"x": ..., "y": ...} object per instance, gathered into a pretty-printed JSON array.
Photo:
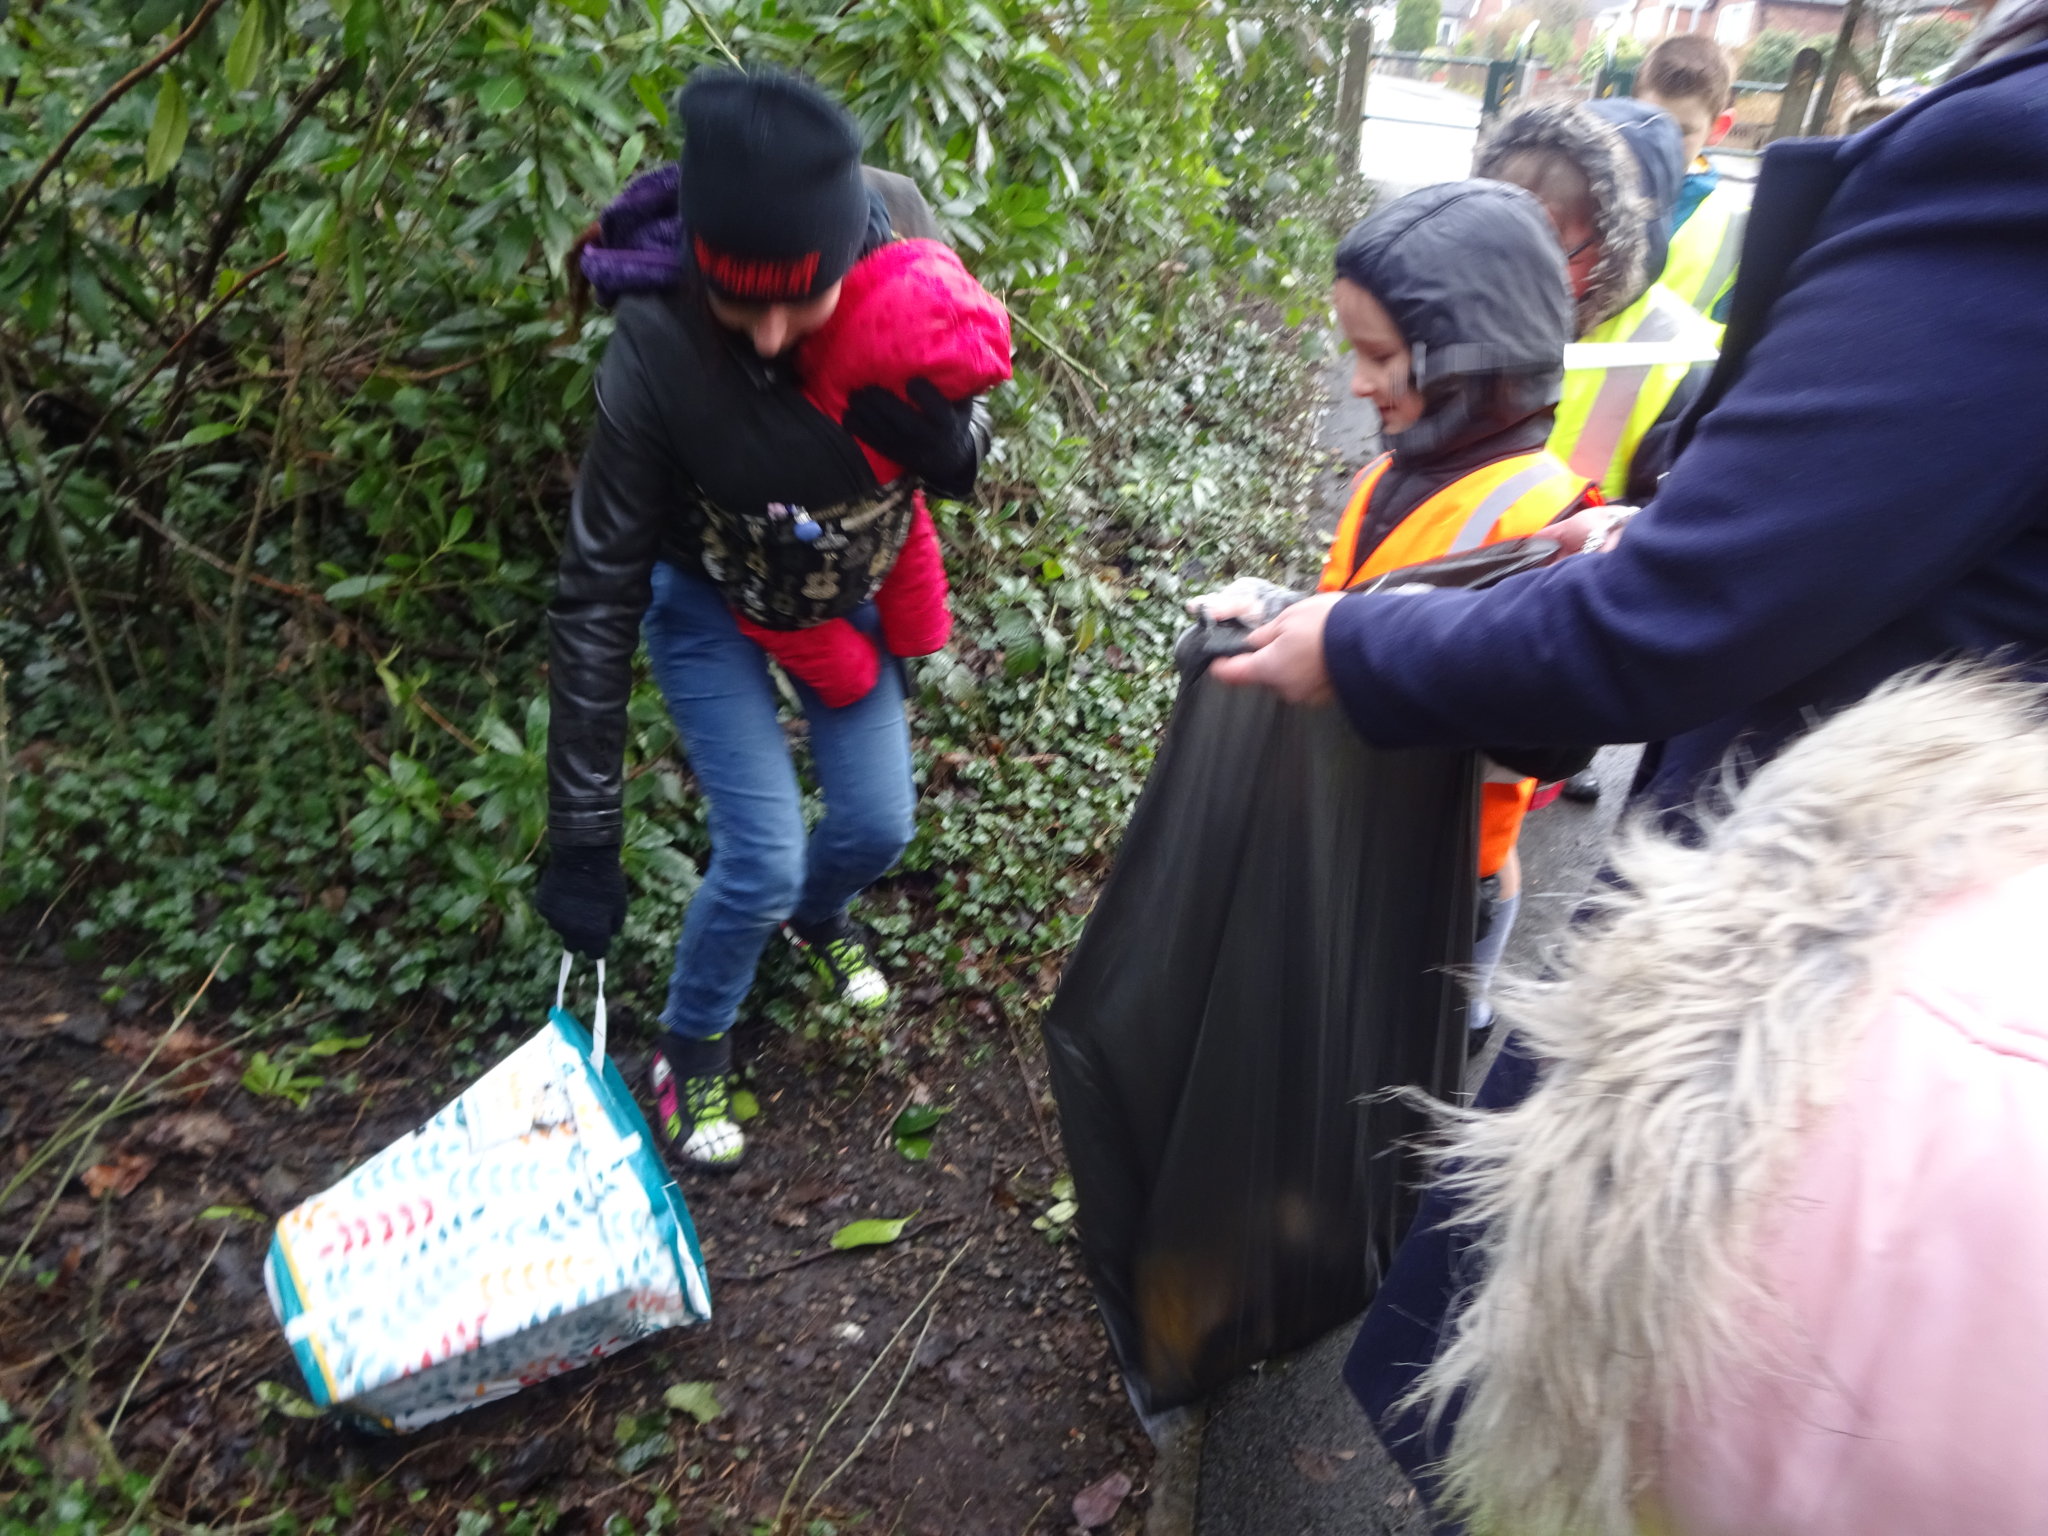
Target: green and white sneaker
[
  {"x": 695, "y": 1116},
  {"x": 837, "y": 954}
]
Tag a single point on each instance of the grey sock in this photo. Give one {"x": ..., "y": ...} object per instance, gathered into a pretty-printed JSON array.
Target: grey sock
[{"x": 1486, "y": 955}]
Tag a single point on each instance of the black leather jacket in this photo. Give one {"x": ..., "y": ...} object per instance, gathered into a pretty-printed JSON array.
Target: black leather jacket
[{"x": 686, "y": 413}]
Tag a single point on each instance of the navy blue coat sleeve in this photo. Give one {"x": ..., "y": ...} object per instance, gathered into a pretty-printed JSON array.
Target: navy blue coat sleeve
[{"x": 1887, "y": 439}]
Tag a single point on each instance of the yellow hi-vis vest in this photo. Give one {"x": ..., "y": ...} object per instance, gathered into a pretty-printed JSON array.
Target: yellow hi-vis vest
[
  {"x": 1619, "y": 377},
  {"x": 1707, "y": 246},
  {"x": 1510, "y": 499}
]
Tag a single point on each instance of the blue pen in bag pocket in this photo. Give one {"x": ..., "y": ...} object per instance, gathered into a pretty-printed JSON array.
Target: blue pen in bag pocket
[{"x": 806, "y": 529}]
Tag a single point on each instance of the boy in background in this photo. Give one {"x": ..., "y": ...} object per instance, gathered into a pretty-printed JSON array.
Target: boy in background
[{"x": 1691, "y": 78}]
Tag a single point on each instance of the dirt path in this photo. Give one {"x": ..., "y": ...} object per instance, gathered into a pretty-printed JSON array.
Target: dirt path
[{"x": 1007, "y": 1406}]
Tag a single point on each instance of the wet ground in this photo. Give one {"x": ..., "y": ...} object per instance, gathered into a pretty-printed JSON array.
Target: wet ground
[{"x": 959, "y": 1374}]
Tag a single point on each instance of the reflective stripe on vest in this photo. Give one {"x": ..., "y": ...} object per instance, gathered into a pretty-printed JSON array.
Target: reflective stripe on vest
[
  {"x": 1509, "y": 500},
  {"x": 1506, "y": 500},
  {"x": 1603, "y": 413},
  {"x": 1706, "y": 247}
]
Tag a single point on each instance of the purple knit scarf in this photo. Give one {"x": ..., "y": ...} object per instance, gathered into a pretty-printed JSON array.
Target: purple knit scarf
[{"x": 643, "y": 237}]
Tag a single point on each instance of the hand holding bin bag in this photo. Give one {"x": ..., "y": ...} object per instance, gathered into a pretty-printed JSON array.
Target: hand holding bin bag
[{"x": 528, "y": 1228}]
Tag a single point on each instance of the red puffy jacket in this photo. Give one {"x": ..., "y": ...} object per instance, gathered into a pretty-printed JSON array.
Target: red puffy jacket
[{"x": 907, "y": 310}]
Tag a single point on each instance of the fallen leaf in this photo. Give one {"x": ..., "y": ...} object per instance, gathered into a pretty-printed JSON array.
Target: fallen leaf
[
  {"x": 119, "y": 1176},
  {"x": 285, "y": 1401},
  {"x": 811, "y": 1191},
  {"x": 85, "y": 1026},
  {"x": 743, "y": 1104},
  {"x": 913, "y": 1130},
  {"x": 920, "y": 1118},
  {"x": 696, "y": 1398},
  {"x": 195, "y": 1130},
  {"x": 1319, "y": 1466},
  {"x": 870, "y": 1234},
  {"x": 231, "y": 1213},
  {"x": 131, "y": 1043},
  {"x": 1097, "y": 1504}
]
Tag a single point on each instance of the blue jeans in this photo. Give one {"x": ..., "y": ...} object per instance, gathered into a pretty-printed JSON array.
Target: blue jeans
[{"x": 764, "y": 867}]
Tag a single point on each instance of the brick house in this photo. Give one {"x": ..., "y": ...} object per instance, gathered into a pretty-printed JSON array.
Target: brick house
[{"x": 1735, "y": 24}]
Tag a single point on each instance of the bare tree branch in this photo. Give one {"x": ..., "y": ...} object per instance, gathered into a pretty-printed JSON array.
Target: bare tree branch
[{"x": 230, "y": 215}]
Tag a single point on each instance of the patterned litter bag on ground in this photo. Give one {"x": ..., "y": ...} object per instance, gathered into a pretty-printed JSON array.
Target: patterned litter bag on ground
[{"x": 528, "y": 1228}]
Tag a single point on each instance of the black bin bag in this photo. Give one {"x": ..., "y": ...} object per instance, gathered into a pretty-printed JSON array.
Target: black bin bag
[{"x": 1282, "y": 938}]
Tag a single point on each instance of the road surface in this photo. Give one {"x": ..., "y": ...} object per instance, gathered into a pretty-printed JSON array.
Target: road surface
[{"x": 1415, "y": 134}]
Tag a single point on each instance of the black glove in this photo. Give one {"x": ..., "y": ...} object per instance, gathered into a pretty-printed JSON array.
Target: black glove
[
  {"x": 929, "y": 435},
  {"x": 582, "y": 894}
]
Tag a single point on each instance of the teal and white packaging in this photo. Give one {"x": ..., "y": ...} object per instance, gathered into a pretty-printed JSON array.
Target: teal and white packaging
[{"x": 528, "y": 1228}]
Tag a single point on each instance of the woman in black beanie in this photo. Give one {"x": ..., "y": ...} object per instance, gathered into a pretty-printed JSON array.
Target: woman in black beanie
[{"x": 709, "y": 470}]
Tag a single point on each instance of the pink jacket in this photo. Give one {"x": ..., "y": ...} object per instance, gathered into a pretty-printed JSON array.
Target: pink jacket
[
  {"x": 1900, "y": 1387},
  {"x": 906, "y": 310},
  {"x": 1765, "y": 1251}
]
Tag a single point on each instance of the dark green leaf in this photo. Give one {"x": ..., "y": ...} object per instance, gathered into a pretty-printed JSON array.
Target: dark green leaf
[
  {"x": 501, "y": 95},
  {"x": 650, "y": 97},
  {"x": 168, "y": 126},
  {"x": 918, "y": 1119},
  {"x": 312, "y": 229},
  {"x": 246, "y": 52},
  {"x": 357, "y": 586},
  {"x": 363, "y": 16}
]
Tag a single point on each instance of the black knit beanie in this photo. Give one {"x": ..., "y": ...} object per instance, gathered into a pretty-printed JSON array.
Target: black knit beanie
[{"x": 773, "y": 202}]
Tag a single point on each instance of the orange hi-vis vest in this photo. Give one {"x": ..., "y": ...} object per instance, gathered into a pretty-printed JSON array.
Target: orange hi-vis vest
[{"x": 1510, "y": 499}]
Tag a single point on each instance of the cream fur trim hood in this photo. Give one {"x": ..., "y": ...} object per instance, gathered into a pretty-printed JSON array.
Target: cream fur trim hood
[{"x": 1696, "y": 1033}]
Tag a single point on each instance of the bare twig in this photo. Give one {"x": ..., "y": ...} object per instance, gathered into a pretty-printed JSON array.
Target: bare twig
[
  {"x": 169, "y": 1323},
  {"x": 818, "y": 1439},
  {"x": 121, "y": 1104},
  {"x": 46, "y": 497},
  {"x": 909, "y": 1364},
  {"x": 1030, "y": 1089},
  {"x": 202, "y": 553},
  {"x": 711, "y": 32},
  {"x": 354, "y": 632},
  {"x": 229, "y": 218},
  {"x": 733, "y": 1275},
  {"x": 6, "y": 758},
  {"x": 134, "y": 386},
  {"x": 97, "y": 110},
  {"x": 1058, "y": 351}
]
